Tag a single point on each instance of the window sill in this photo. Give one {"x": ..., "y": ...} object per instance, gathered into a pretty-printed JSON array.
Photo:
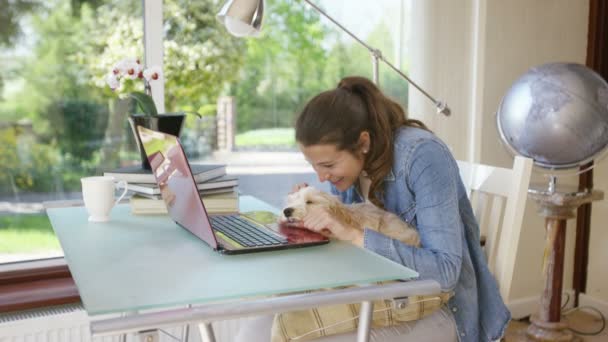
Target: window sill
[{"x": 30, "y": 285}]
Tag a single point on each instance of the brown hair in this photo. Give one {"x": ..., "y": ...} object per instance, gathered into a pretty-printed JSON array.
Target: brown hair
[{"x": 338, "y": 117}]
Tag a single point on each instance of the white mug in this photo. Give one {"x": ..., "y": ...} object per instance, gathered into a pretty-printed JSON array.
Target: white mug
[{"x": 99, "y": 196}]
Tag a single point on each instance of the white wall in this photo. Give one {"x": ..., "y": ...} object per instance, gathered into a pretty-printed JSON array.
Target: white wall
[
  {"x": 521, "y": 34},
  {"x": 440, "y": 64},
  {"x": 597, "y": 280},
  {"x": 469, "y": 52}
]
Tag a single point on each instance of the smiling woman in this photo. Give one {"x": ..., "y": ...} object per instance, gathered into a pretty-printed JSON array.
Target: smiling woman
[{"x": 340, "y": 167}]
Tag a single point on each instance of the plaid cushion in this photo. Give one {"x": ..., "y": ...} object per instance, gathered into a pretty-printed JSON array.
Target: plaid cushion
[{"x": 337, "y": 319}]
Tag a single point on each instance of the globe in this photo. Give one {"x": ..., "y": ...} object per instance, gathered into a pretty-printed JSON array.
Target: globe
[{"x": 556, "y": 114}]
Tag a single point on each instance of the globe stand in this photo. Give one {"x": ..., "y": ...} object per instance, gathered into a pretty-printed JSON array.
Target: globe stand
[{"x": 557, "y": 208}]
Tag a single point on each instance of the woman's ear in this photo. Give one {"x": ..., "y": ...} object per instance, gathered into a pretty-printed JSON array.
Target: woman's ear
[{"x": 364, "y": 142}]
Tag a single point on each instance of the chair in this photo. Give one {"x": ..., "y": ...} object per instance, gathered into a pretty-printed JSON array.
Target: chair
[{"x": 498, "y": 196}]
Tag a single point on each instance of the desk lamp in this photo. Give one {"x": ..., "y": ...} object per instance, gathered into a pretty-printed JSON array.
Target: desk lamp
[{"x": 243, "y": 18}]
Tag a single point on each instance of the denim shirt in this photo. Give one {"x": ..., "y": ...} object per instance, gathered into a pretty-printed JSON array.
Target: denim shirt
[{"x": 425, "y": 190}]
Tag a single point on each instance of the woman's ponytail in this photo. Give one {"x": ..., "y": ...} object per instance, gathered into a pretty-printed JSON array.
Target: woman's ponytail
[{"x": 339, "y": 117}]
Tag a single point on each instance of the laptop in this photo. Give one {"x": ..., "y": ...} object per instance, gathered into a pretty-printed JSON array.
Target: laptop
[{"x": 228, "y": 234}]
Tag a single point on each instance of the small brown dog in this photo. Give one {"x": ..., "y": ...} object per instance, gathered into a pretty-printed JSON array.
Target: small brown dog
[{"x": 359, "y": 215}]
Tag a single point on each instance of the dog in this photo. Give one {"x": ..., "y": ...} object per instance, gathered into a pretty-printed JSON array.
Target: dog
[{"x": 358, "y": 215}]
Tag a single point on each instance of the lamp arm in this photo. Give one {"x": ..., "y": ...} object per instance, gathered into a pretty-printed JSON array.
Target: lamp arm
[
  {"x": 442, "y": 107},
  {"x": 318, "y": 9}
]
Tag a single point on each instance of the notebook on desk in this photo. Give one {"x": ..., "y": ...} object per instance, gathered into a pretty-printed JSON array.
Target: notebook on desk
[{"x": 229, "y": 234}]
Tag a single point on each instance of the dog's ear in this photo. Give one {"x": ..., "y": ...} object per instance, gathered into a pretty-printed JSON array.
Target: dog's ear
[
  {"x": 322, "y": 198},
  {"x": 329, "y": 199}
]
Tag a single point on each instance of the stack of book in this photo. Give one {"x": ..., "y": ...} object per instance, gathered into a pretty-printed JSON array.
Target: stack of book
[{"x": 218, "y": 190}]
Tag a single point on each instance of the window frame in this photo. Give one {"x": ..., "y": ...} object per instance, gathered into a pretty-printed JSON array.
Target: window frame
[
  {"x": 44, "y": 282},
  {"x": 32, "y": 284}
]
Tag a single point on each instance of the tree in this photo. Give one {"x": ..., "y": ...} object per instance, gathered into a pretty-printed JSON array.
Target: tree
[
  {"x": 10, "y": 15},
  {"x": 297, "y": 56},
  {"x": 199, "y": 55},
  {"x": 282, "y": 67},
  {"x": 347, "y": 57},
  {"x": 75, "y": 43},
  {"x": 51, "y": 73}
]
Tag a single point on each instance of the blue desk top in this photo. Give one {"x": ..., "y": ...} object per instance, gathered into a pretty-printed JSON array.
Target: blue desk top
[{"x": 148, "y": 262}]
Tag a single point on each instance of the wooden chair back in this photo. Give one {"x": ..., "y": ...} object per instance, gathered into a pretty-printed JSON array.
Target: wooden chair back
[{"x": 498, "y": 196}]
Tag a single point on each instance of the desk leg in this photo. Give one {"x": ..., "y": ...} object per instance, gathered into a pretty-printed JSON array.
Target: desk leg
[
  {"x": 365, "y": 321},
  {"x": 123, "y": 337},
  {"x": 186, "y": 333},
  {"x": 186, "y": 329},
  {"x": 206, "y": 331}
]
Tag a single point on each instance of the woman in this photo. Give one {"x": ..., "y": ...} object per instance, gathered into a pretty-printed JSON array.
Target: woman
[{"x": 363, "y": 143}]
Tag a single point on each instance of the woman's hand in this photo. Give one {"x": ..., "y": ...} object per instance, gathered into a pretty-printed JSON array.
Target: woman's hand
[{"x": 321, "y": 221}]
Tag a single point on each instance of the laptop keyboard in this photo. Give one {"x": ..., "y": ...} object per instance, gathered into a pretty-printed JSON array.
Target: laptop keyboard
[{"x": 244, "y": 232}]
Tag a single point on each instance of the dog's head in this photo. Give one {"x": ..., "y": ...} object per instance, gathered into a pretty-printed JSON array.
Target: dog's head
[{"x": 300, "y": 202}]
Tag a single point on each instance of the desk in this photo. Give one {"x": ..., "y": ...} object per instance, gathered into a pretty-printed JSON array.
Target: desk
[{"x": 134, "y": 263}]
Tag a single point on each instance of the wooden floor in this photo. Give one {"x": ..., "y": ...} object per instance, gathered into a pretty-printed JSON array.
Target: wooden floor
[{"x": 578, "y": 320}]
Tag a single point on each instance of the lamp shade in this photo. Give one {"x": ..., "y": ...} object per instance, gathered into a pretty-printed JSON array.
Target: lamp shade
[{"x": 242, "y": 18}]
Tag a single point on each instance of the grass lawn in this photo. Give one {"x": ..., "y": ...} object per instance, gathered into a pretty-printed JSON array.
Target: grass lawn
[
  {"x": 284, "y": 137},
  {"x": 26, "y": 234}
]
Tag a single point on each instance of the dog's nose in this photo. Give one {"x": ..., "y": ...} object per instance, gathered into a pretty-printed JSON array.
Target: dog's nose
[{"x": 287, "y": 212}]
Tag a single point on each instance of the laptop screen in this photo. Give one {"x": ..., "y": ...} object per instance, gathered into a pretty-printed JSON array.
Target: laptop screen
[{"x": 177, "y": 186}]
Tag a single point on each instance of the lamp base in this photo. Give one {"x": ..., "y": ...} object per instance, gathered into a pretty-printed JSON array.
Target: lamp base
[
  {"x": 540, "y": 330},
  {"x": 557, "y": 208}
]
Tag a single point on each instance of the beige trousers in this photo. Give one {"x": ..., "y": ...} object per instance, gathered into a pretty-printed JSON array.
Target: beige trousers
[{"x": 439, "y": 326}]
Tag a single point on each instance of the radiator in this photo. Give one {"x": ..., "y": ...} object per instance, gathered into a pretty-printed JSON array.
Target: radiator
[{"x": 67, "y": 323}]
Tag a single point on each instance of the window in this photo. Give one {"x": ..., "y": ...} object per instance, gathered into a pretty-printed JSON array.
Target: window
[
  {"x": 59, "y": 121},
  {"x": 267, "y": 79},
  {"x": 301, "y": 53}
]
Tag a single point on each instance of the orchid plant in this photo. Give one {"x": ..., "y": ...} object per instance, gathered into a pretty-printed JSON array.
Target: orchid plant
[{"x": 132, "y": 69}]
